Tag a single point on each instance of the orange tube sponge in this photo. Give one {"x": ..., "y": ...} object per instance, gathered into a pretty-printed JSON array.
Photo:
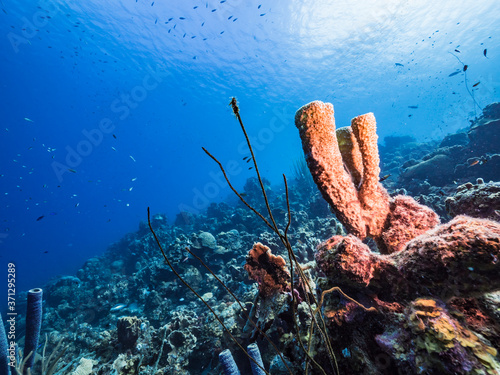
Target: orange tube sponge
[
  {"x": 373, "y": 197},
  {"x": 348, "y": 146},
  {"x": 344, "y": 164},
  {"x": 316, "y": 125}
]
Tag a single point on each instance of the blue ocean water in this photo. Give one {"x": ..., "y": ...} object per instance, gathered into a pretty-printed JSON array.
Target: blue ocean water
[{"x": 106, "y": 105}]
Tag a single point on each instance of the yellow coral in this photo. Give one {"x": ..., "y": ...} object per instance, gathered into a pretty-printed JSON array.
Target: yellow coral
[{"x": 437, "y": 331}]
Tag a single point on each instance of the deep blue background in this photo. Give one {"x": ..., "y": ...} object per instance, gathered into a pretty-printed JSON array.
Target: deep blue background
[{"x": 165, "y": 86}]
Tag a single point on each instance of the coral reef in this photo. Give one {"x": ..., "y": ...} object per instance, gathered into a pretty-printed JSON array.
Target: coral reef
[
  {"x": 431, "y": 340},
  {"x": 461, "y": 157},
  {"x": 480, "y": 200},
  {"x": 400, "y": 293}
]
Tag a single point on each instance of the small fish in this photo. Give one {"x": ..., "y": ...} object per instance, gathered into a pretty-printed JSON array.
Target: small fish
[
  {"x": 118, "y": 307},
  {"x": 214, "y": 10},
  {"x": 77, "y": 204},
  {"x": 153, "y": 3},
  {"x": 249, "y": 160},
  {"x": 398, "y": 64},
  {"x": 40, "y": 218},
  {"x": 29, "y": 120},
  {"x": 135, "y": 178},
  {"x": 497, "y": 212},
  {"x": 262, "y": 14},
  {"x": 475, "y": 162},
  {"x": 71, "y": 170},
  {"x": 413, "y": 106},
  {"x": 454, "y": 73},
  {"x": 457, "y": 51},
  {"x": 246, "y": 157},
  {"x": 131, "y": 157},
  {"x": 384, "y": 177},
  {"x": 114, "y": 149},
  {"x": 250, "y": 168},
  {"x": 181, "y": 18},
  {"x": 45, "y": 252},
  {"x": 441, "y": 193},
  {"x": 156, "y": 21},
  {"x": 466, "y": 67},
  {"x": 485, "y": 52},
  {"x": 476, "y": 84},
  {"x": 259, "y": 6},
  {"x": 243, "y": 194}
]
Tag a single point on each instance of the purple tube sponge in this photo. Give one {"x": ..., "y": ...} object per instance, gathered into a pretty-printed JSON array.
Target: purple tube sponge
[
  {"x": 4, "y": 355},
  {"x": 33, "y": 325},
  {"x": 228, "y": 364},
  {"x": 254, "y": 352}
]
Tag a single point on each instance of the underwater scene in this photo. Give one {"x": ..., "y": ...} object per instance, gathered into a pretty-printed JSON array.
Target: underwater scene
[{"x": 249, "y": 187}]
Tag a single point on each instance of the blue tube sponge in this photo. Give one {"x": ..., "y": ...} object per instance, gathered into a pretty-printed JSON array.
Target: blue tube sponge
[
  {"x": 33, "y": 325},
  {"x": 254, "y": 352},
  {"x": 4, "y": 354},
  {"x": 228, "y": 364}
]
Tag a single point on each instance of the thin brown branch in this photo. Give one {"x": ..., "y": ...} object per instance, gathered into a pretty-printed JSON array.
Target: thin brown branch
[
  {"x": 236, "y": 111},
  {"x": 236, "y": 192},
  {"x": 241, "y": 306},
  {"x": 198, "y": 296}
]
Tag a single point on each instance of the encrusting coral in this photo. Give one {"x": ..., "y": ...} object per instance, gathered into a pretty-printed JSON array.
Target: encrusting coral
[{"x": 439, "y": 342}]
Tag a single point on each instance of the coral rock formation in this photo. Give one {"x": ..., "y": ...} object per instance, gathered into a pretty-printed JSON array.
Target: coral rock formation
[{"x": 480, "y": 200}]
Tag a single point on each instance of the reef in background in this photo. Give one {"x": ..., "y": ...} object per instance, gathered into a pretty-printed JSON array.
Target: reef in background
[{"x": 126, "y": 313}]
